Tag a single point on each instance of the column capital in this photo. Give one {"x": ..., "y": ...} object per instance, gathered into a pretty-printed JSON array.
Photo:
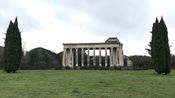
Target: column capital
[{"x": 65, "y": 48}]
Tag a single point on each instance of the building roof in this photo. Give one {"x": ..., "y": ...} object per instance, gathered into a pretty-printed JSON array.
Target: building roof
[{"x": 112, "y": 40}]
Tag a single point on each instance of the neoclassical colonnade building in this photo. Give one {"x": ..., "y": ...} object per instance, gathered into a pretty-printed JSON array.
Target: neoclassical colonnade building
[{"x": 109, "y": 53}]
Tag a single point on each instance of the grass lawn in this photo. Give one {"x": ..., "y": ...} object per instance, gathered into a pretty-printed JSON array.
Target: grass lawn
[{"x": 86, "y": 84}]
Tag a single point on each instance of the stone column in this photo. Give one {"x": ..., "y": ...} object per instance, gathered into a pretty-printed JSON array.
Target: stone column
[
  {"x": 67, "y": 57},
  {"x": 118, "y": 62},
  {"x": 71, "y": 58},
  {"x": 88, "y": 59},
  {"x": 64, "y": 58},
  {"x": 76, "y": 57},
  {"x": 100, "y": 57},
  {"x": 121, "y": 62},
  {"x": 106, "y": 58},
  {"x": 116, "y": 56},
  {"x": 94, "y": 61},
  {"x": 82, "y": 57},
  {"x": 111, "y": 57}
]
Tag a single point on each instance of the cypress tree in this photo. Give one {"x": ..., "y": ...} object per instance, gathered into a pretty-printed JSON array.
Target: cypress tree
[
  {"x": 166, "y": 46},
  {"x": 13, "y": 48},
  {"x": 159, "y": 45}
]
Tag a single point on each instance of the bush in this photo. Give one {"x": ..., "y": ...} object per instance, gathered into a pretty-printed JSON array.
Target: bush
[{"x": 141, "y": 62}]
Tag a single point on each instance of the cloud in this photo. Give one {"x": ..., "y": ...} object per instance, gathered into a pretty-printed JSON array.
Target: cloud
[
  {"x": 107, "y": 18},
  {"x": 49, "y": 23}
]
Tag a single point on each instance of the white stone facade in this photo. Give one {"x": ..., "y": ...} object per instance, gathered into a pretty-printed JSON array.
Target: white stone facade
[{"x": 70, "y": 53}]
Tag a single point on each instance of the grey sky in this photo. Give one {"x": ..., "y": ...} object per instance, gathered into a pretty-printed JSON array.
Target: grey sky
[{"x": 49, "y": 23}]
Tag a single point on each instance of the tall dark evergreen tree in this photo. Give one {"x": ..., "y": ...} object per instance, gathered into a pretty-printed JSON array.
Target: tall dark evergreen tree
[
  {"x": 13, "y": 48},
  {"x": 167, "y": 54},
  {"x": 159, "y": 45}
]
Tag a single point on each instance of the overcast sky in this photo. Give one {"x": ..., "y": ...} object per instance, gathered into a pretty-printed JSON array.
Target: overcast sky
[{"x": 49, "y": 23}]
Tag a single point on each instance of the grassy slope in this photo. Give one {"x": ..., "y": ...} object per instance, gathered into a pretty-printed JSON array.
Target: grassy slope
[{"x": 86, "y": 84}]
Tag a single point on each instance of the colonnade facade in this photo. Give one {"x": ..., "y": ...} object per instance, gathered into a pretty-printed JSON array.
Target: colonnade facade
[{"x": 113, "y": 54}]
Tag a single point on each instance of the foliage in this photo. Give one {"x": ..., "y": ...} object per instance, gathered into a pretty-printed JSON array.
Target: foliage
[
  {"x": 13, "y": 48},
  {"x": 40, "y": 58},
  {"x": 159, "y": 45},
  {"x": 172, "y": 63},
  {"x": 1, "y": 56},
  {"x": 141, "y": 62},
  {"x": 86, "y": 84}
]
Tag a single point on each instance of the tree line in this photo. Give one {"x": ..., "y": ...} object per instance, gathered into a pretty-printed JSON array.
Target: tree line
[{"x": 36, "y": 59}]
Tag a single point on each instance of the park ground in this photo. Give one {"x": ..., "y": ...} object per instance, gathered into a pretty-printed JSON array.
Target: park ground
[{"x": 86, "y": 84}]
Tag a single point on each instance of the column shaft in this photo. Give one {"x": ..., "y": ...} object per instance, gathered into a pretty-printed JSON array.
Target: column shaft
[
  {"x": 100, "y": 57},
  {"x": 67, "y": 57},
  {"x": 71, "y": 58},
  {"x": 64, "y": 58},
  {"x": 94, "y": 60},
  {"x": 121, "y": 62},
  {"x": 114, "y": 56},
  {"x": 82, "y": 57},
  {"x": 117, "y": 56},
  {"x": 111, "y": 57},
  {"x": 106, "y": 58},
  {"x": 88, "y": 59},
  {"x": 76, "y": 57}
]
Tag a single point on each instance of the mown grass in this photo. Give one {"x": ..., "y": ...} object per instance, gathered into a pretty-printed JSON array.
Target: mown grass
[{"x": 86, "y": 84}]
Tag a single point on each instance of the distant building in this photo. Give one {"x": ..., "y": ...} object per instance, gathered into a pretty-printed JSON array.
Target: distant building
[{"x": 112, "y": 45}]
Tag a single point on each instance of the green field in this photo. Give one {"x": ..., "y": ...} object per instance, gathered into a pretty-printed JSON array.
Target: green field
[{"x": 86, "y": 84}]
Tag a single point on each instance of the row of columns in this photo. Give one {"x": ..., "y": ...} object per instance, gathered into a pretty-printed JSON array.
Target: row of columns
[{"x": 116, "y": 57}]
